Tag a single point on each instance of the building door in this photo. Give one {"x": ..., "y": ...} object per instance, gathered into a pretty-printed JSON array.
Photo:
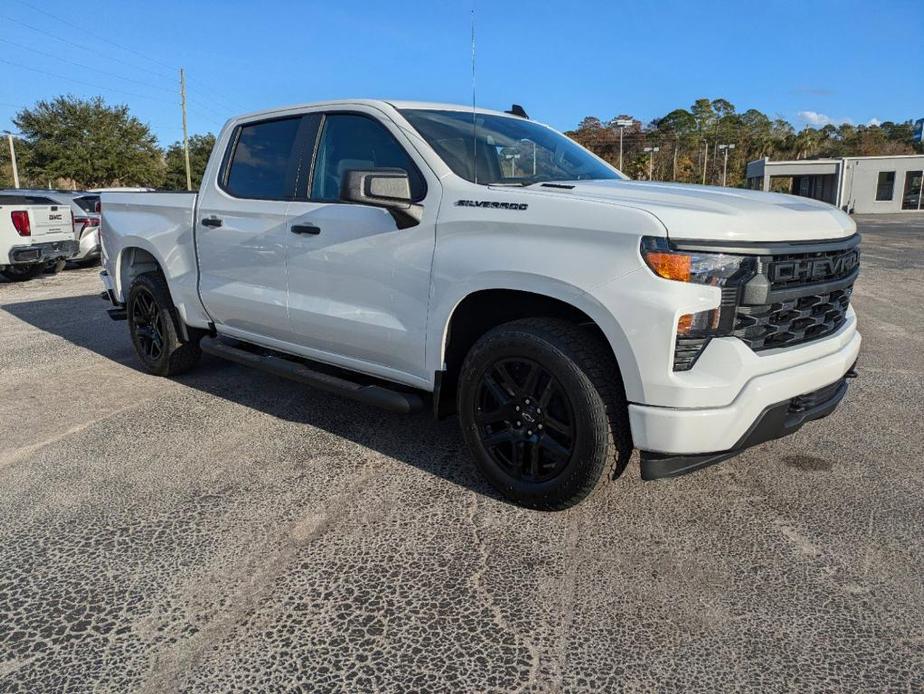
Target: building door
[{"x": 911, "y": 199}]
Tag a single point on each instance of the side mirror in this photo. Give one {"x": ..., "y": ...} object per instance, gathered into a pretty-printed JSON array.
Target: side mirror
[{"x": 386, "y": 188}]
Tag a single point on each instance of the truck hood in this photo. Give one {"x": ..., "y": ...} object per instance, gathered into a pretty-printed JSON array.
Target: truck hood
[{"x": 721, "y": 214}]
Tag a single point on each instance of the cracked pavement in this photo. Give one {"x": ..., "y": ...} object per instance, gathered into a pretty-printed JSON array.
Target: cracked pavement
[{"x": 231, "y": 530}]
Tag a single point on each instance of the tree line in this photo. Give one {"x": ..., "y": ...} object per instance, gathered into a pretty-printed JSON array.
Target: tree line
[
  {"x": 69, "y": 142},
  {"x": 689, "y": 141},
  {"x": 85, "y": 143}
]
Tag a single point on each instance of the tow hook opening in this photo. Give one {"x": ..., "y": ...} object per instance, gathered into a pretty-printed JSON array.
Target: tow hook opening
[{"x": 852, "y": 371}]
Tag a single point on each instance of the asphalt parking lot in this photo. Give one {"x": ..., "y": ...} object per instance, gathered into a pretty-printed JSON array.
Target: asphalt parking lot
[{"x": 229, "y": 529}]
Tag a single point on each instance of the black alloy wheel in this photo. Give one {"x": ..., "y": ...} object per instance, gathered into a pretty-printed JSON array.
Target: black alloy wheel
[
  {"x": 154, "y": 326},
  {"x": 543, "y": 411},
  {"x": 525, "y": 419},
  {"x": 147, "y": 324}
]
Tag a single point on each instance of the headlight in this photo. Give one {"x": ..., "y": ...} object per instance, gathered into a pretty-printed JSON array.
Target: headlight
[
  {"x": 702, "y": 268},
  {"x": 723, "y": 270}
]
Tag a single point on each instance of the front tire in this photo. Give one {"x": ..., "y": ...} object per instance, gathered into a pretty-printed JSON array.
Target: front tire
[
  {"x": 152, "y": 322},
  {"x": 543, "y": 411}
]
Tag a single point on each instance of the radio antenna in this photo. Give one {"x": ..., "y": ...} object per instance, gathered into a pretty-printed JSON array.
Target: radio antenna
[{"x": 474, "y": 120}]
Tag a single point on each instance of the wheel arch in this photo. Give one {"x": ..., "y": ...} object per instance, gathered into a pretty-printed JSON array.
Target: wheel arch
[
  {"x": 134, "y": 261},
  {"x": 479, "y": 310}
]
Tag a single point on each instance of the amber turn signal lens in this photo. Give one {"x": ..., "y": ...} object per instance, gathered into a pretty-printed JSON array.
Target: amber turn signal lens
[
  {"x": 670, "y": 266},
  {"x": 700, "y": 323}
]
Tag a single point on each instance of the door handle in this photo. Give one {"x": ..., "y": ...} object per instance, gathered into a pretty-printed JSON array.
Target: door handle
[
  {"x": 211, "y": 221},
  {"x": 305, "y": 229}
]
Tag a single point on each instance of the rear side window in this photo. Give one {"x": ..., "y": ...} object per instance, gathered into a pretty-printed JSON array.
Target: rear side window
[
  {"x": 260, "y": 165},
  {"x": 351, "y": 142},
  {"x": 88, "y": 203},
  {"x": 26, "y": 200}
]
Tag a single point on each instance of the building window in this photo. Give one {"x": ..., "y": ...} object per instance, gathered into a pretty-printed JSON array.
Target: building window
[
  {"x": 912, "y": 199},
  {"x": 885, "y": 187}
]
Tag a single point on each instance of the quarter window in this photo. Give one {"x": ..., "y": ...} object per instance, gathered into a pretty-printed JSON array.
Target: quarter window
[
  {"x": 351, "y": 142},
  {"x": 885, "y": 187},
  {"x": 261, "y": 162}
]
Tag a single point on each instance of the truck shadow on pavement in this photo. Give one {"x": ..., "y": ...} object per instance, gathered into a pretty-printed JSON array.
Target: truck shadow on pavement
[{"x": 417, "y": 440}]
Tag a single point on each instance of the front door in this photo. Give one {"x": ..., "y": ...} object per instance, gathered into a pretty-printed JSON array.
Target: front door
[{"x": 359, "y": 285}]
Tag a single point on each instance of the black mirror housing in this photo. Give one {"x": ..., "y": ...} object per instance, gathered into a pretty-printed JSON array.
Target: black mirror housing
[{"x": 386, "y": 188}]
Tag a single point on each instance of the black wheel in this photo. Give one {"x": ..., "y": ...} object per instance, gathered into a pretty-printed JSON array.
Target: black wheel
[
  {"x": 543, "y": 411},
  {"x": 21, "y": 273},
  {"x": 55, "y": 267},
  {"x": 152, "y": 321}
]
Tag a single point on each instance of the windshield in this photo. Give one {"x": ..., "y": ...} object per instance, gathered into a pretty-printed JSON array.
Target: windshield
[{"x": 512, "y": 151}]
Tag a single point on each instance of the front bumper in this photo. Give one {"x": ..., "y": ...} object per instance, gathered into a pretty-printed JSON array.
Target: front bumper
[
  {"x": 42, "y": 252},
  {"x": 774, "y": 422},
  {"x": 694, "y": 431}
]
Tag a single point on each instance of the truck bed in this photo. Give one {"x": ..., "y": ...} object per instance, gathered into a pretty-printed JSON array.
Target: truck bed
[{"x": 158, "y": 223}]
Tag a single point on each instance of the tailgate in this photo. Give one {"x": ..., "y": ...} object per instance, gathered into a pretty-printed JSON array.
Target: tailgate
[{"x": 51, "y": 223}]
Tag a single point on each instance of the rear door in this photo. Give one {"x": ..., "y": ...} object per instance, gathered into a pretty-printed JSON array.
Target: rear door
[{"x": 241, "y": 229}]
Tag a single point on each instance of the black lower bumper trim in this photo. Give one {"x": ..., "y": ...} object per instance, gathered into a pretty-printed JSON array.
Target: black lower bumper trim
[
  {"x": 774, "y": 422},
  {"x": 43, "y": 252}
]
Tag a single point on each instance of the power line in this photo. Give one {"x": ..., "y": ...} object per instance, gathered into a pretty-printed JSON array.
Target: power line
[
  {"x": 87, "y": 67},
  {"x": 106, "y": 39},
  {"x": 68, "y": 42},
  {"x": 87, "y": 84}
]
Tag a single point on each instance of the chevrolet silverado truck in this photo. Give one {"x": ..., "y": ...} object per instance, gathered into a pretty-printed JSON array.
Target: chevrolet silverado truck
[
  {"x": 411, "y": 254},
  {"x": 36, "y": 234}
]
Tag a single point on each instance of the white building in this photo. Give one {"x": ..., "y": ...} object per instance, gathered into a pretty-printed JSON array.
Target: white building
[{"x": 862, "y": 185}]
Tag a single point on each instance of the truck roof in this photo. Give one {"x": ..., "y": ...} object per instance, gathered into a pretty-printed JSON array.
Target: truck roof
[{"x": 395, "y": 103}]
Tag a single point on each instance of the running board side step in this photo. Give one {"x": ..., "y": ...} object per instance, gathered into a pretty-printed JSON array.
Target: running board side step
[{"x": 377, "y": 396}]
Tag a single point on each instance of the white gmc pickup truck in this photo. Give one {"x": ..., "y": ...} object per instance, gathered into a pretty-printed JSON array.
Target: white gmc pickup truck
[
  {"x": 402, "y": 253},
  {"x": 36, "y": 235}
]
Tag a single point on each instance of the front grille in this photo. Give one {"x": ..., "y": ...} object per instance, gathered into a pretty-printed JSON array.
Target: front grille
[
  {"x": 794, "y": 321},
  {"x": 806, "y": 297}
]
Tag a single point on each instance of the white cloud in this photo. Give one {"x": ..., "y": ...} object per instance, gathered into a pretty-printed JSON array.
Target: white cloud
[
  {"x": 821, "y": 119},
  {"x": 874, "y": 121}
]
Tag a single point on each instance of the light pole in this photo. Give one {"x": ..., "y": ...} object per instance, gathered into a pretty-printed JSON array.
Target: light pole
[
  {"x": 651, "y": 152},
  {"x": 724, "y": 149},
  {"x": 622, "y": 124},
  {"x": 9, "y": 137},
  {"x": 705, "y": 158}
]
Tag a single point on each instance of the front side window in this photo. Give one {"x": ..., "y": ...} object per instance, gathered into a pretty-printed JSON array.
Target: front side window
[
  {"x": 352, "y": 142},
  {"x": 260, "y": 165},
  {"x": 492, "y": 149},
  {"x": 885, "y": 186}
]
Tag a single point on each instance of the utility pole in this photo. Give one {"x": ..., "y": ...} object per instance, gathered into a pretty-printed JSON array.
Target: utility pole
[
  {"x": 651, "y": 152},
  {"x": 9, "y": 136},
  {"x": 724, "y": 149},
  {"x": 622, "y": 124},
  {"x": 674, "y": 168},
  {"x": 185, "y": 133},
  {"x": 705, "y": 158}
]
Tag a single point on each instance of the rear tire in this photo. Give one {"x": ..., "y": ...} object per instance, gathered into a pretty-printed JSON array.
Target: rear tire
[
  {"x": 152, "y": 322},
  {"x": 543, "y": 411},
  {"x": 22, "y": 273}
]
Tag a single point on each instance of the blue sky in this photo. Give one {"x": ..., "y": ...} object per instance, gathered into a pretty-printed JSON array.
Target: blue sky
[{"x": 810, "y": 61}]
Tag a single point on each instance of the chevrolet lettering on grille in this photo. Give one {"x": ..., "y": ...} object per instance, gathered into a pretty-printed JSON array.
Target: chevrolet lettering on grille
[{"x": 810, "y": 269}]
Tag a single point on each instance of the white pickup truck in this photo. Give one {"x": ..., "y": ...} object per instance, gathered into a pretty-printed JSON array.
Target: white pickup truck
[
  {"x": 36, "y": 234},
  {"x": 403, "y": 253}
]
